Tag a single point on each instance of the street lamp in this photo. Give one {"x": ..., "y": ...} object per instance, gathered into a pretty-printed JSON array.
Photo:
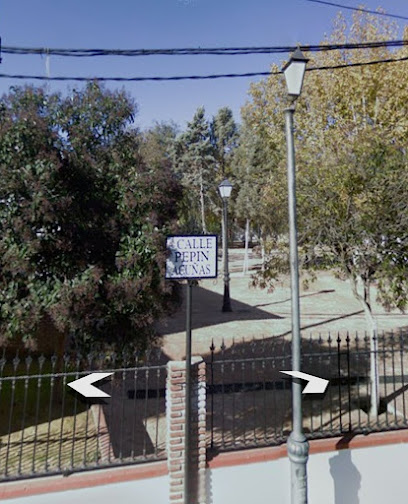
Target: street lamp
[
  {"x": 225, "y": 189},
  {"x": 294, "y": 71},
  {"x": 298, "y": 447}
]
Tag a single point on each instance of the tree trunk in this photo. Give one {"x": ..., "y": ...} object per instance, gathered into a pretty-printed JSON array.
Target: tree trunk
[
  {"x": 263, "y": 255},
  {"x": 245, "y": 266},
  {"x": 202, "y": 205},
  {"x": 373, "y": 331}
]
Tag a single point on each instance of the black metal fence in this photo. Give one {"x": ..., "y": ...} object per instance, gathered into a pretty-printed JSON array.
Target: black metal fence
[
  {"x": 249, "y": 399},
  {"x": 47, "y": 428}
]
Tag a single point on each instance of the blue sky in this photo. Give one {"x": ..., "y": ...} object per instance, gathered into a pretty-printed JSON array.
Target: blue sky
[{"x": 127, "y": 24}]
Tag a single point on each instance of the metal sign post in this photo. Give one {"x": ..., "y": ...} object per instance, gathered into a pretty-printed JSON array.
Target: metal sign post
[
  {"x": 190, "y": 257},
  {"x": 187, "y": 436}
]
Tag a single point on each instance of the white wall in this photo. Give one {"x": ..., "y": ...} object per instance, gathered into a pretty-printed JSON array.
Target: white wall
[
  {"x": 376, "y": 475},
  {"x": 143, "y": 491},
  {"x": 358, "y": 476},
  {"x": 260, "y": 483}
]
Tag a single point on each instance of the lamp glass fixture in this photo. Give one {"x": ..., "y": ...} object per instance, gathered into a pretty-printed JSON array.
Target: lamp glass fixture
[
  {"x": 225, "y": 189},
  {"x": 294, "y": 72}
]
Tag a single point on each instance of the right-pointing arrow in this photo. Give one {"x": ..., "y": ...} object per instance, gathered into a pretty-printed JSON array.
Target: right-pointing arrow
[
  {"x": 316, "y": 385},
  {"x": 84, "y": 385}
]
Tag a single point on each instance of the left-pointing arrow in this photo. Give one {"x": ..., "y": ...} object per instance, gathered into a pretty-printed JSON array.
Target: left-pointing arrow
[{"x": 84, "y": 385}]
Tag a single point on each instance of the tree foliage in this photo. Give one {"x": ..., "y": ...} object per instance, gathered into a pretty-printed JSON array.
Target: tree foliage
[
  {"x": 351, "y": 132},
  {"x": 224, "y": 136},
  {"x": 194, "y": 162},
  {"x": 351, "y": 161},
  {"x": 82, "y": 219},
  {"x": 157, "y": 144}
]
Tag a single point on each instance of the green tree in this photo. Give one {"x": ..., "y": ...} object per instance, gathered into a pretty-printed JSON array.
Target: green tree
[
  {"x": 194, "y": 161},
  {"x": 224, "y": 138},
  {"x": 255, "y": 165},
  {"x": 82, "y": 219},
  {"x": 157, "y": 144}
]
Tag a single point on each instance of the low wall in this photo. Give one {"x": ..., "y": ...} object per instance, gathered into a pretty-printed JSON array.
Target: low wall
[
  {"x": 361, "y": 470},
  {"x": 144, "y": 484}
]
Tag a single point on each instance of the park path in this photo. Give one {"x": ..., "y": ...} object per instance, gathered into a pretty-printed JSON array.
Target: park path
[{"x": 327, "y": 306}]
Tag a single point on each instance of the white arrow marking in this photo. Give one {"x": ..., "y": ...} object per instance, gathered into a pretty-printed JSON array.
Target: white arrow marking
[
  {"x": 84, "y": 385},
  {"x": 316, "y": 385}
]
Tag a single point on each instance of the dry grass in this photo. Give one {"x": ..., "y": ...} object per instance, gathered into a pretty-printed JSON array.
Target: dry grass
[{"x": 47, "y": 447}]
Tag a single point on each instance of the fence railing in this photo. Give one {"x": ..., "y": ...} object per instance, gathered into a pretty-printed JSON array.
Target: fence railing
[
  {"x": 47, "y": 428},
  {"x": 249, "y": 400}
]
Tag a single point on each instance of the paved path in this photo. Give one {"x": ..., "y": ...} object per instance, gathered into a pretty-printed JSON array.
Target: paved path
[{"x": 328, "y": 305}]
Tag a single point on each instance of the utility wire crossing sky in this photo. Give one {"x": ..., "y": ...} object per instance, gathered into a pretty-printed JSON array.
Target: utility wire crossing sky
[
  {"x": 358, "y": 9},
  {"x": 220, "y": 51},
  {"x": 196, "y": 77},
  {"x": 256, "y": 33}
]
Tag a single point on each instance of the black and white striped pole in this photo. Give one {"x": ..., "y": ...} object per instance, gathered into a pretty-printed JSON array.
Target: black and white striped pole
[{"x": 298, "y": 447}]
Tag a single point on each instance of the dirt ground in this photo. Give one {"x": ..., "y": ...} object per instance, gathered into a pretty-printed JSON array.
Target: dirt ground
[
  {"x": 327, "y": 306},
  {"x": 243, "y": 415},
  {"x": 263, "y": 320}
]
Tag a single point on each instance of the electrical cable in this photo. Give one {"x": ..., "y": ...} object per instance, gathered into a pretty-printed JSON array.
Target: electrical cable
[
  {"x": 195, "y": 77},
  {"x": 214, "y": 51},
  {"x": 362, "y": 64},
  {"x": 359, "y": 9},
  {"x": 134, "y": 79}
]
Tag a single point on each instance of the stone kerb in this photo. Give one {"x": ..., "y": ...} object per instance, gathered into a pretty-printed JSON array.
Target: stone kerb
[{"x": 175, "y": 415}]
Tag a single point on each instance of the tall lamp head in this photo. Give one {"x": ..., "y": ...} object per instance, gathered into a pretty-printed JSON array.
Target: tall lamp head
[
  {"x": 294, "y": 71},
  {"x": 225, "y": 189}
]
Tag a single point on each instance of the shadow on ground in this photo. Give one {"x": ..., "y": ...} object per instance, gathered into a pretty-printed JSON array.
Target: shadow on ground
[{"x": 207, "y": 312}]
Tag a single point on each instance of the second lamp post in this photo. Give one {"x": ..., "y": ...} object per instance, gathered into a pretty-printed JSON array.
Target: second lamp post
[
  {"x": 225, "y": 189},
  {"x": 298, "y": 447}
]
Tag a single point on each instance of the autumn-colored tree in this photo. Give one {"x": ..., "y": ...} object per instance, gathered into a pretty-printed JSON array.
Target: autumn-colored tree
[{"x": 351, "y": 132}]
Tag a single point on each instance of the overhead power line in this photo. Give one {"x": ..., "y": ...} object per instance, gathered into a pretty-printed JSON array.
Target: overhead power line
[
  {"x": 193, "y": 77},
  {"x": 191, "y": 51},
  {"x": 359, "y": 9},
  {"x": 133, "y": 79},
  {"x": 351, "y": 65}
]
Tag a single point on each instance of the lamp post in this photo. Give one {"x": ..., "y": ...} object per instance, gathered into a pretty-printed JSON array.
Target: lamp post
[
  {"x": 298, "y": 447},
  {"x": 225, "y": 189}
]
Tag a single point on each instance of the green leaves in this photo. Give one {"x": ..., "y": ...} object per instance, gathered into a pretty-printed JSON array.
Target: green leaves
[
  {"x": 194, "y": 162},
  {"x": 350, "y": 137},
  {"x": 82, "y": 219}
]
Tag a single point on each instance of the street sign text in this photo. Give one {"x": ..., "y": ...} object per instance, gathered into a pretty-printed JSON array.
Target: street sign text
[{"x": 191, "y": 256}]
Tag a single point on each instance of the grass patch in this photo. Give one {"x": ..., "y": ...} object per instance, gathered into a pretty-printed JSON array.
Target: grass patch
[
  {"x": 61, "y": 445},
  {"x": 44, "y": 425}
]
